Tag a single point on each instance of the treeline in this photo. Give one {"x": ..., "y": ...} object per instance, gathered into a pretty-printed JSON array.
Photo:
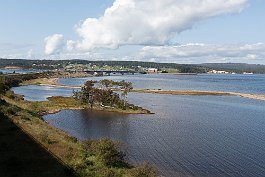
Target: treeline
[
  {"x": 8, "y": 81},
  {"x": 237, "y": 67},
  {"x": 60, "y": 64},
  {"x": 182, "y": 68}
]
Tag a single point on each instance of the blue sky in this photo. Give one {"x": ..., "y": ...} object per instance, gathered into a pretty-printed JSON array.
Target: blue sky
[{"x": 68, "y": 29}]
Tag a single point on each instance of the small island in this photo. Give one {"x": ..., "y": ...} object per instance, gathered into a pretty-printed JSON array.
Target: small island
[{"x": 108, "y": 95}]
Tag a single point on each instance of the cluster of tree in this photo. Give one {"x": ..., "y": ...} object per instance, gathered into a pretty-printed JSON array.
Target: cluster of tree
[
  {"x": 8, "y": 81},
  {"x": 236, "y": 67},
  {"x": 32, "y": 64},
  {"x": 103, "y": 93}
]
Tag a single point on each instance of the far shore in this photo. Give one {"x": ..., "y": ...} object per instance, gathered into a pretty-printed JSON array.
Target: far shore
[{"x": 50, "y": 82}]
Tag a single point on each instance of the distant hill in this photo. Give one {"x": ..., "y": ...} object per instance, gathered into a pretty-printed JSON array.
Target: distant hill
[
  {"x": 236, "y": 67},
  {"x": 182, "y": 68},
  {"x": 60, "y": 64}
]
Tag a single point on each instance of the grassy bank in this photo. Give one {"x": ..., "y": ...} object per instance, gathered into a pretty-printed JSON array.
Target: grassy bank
[
  {"x": 57, "y": 103},
  {"x": 97, "y": 158},
  {"x": 21, "y": 155}
]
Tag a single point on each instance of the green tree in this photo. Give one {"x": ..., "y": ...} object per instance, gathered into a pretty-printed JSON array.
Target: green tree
[
  {"x": 105, "y": 83},
  {"x": 89, "y": 92},
  {"x": 102, "y": 93},
  {"x": 126, "y": 87}
]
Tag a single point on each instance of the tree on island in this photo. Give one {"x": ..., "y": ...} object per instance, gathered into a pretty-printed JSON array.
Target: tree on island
[{"x": 102, "y": 93}]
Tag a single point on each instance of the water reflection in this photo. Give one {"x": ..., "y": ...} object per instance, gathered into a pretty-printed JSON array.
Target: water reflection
[{"x": 41, "y": 93}]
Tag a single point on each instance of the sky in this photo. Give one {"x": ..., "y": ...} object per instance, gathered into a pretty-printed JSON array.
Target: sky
[{"x": 177, "y": 31}]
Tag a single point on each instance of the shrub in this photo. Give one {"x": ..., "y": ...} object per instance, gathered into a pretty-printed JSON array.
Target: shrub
[
  {"x": 2, "y": 88},
  {"x": 12, "y": 110},
  {"x": 10, "y": 94},
  {"x": 72, "y": 139},
  {"x": 25, "y": 117},
  {"x": 144, "y": 170},
  {"x": 45, "y": 138},
  {"x": 2, "y": 102},
  {"x": 106, "y": 152},
  {"x": 107, "y": 172}
]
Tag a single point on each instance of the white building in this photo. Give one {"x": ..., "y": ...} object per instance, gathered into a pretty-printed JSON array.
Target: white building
[{"x": 152, "y": 70}]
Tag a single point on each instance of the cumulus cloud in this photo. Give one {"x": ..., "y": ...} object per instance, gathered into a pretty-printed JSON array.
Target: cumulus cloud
[
  {"x": 197, "y": 53},
  {"x": 54, "y": 44},
  {"x": 147, "y": 22}
]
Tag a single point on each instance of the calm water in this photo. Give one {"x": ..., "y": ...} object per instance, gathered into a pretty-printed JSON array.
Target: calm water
[
  {"x": 187, "y": 135},
  {"x": 5, "y": 71},
  {"x": 236, "y": 83},
  {"x": 41, "y": 93}
]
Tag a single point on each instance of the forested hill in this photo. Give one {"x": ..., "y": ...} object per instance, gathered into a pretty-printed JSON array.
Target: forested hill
[
  {"x": 182, "y": 68},
  {"x": 236, "y": 67},
  {"x": 59, "y": 64}
]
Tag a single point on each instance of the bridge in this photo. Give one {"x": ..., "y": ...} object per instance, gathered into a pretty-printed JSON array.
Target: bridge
[{"x": 108, "y": 72}]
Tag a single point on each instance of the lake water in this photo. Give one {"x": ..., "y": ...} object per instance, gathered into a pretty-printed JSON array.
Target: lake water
[
  {"x": 41, "y": 93},
  {"x": 187, "y": 135},
  {"x": 235, "y": 83},
  {"x": 10, "y": 71}
]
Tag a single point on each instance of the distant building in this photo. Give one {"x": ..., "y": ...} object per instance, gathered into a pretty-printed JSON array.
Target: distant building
[
  {"x": 247, "y": 73},
  {"x": 218, "y": 72},
  {"x": 152, "y": 70},
  {"x": 12, "y": 68}
]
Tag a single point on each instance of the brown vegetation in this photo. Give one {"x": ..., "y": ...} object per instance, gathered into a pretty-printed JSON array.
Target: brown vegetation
[{"x": 202, "y": 93}]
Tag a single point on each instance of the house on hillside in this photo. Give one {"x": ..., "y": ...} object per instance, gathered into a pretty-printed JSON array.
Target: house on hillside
[{"x": 152, "y": 70}]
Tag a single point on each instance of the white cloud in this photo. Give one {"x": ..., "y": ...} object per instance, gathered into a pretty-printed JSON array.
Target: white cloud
[
  {"x": 198, "y": 53},
  {"x": 54, "y": 44},
  {"x": 146, "y": 22}
]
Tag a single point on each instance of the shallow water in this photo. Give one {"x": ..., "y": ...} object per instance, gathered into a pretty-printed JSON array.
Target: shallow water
[
  {"x": 5, "y": 71},
  {"x": 212, "y": 82},
  {"x": 41, "y": 93}
]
